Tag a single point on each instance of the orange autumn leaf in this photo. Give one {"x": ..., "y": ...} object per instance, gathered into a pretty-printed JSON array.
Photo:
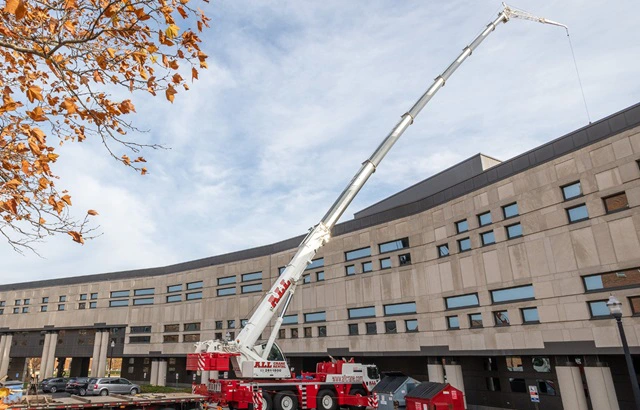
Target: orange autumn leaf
[
  {"x": 92, "y": 212},
  {"x": 67, "y": 199},
  {"x": 170, "y": 92},
  {"x": 77, "y": 237}
]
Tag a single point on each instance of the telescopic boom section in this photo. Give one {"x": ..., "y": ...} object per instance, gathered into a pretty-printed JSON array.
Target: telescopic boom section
[{"x": 321, "y": 233}]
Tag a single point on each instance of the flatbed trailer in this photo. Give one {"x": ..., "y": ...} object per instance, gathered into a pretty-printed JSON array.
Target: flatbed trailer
[{"x": 146, "y": 401}]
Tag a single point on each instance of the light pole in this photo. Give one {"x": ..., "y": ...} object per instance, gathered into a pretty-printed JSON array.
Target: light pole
[
  {"x": 615, "y": 307},
  {"x": 112, "y": 345}
]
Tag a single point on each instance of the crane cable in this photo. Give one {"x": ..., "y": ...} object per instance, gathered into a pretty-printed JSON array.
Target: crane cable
[{"x": 575, "y": 63}]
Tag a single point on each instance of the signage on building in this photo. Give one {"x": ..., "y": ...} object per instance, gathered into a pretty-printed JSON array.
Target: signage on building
[{"x": 533, "y": 393}]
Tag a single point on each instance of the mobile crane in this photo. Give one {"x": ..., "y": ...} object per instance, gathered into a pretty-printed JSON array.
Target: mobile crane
[{"x": 264, "y": 379}]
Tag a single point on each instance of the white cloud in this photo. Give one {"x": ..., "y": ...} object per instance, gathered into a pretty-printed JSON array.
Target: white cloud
[{"x": 299, "y": 94}]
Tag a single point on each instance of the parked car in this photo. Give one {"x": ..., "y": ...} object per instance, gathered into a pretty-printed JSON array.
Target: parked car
[
  {"x": 54, "y": 384},
  {"x": 103, "y": 386},
  {"x": 77, "y": 385}
]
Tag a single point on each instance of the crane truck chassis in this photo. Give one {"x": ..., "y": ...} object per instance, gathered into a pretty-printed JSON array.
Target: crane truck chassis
[{"x": 264, "y": 380}]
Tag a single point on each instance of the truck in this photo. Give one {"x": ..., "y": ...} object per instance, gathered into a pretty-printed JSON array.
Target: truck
[{"x": 261, "y": 377}]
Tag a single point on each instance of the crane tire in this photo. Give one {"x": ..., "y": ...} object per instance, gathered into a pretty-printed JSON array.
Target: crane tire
[
  {"x": 326, "y": 400},
  {"x": 285, "y": 400},
  {"x": 267, "y": 401}
]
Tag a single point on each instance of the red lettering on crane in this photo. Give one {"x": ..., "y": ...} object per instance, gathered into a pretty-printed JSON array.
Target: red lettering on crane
[{"x": 279, "y": 292}]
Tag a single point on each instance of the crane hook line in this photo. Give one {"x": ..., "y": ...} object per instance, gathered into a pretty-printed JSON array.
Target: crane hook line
[{"x": 575, "y": 63}]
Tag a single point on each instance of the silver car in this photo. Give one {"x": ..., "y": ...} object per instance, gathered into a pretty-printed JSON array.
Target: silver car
[{"x": 103, "y": 386}]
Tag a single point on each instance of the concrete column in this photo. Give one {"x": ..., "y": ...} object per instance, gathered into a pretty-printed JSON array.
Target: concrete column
[
  {"x": 436, "y": 373},
  {"x": 3, "y": 341},
  {"x": 53, "y": 343},
  {"x": 45, "y": 356},
  {"x": 154, "y": 373},
  {"x": 4, "y": 354},
  {"x": 102, "y": 361},
  {"x": 571, "y": 389},
  {"x": 96, "y": 353},
  {"x": 601, "y": 389},
  {"x": 454, "y": 378},
  {"x": 162, "y": 373}
]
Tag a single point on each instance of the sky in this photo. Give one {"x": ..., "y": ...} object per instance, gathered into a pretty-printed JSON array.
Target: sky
[{"x": 298, "y": 94}]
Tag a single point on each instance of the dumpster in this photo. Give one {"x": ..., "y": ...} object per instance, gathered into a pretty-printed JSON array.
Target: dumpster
[
  {"x": 392, "y": 389},
  {"x": 435, "y": 396}
]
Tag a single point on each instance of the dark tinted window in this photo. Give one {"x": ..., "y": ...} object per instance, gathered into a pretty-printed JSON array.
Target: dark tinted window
[{"x": 617, "y": 202}]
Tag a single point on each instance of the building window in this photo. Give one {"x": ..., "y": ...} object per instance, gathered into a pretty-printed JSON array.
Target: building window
[
  {"x": 372, "y": 328},
  {"x": 547, "y": 387},
  {"x": 219, "y": 324},
  {"x": 139, "y": 339},
  {"x": 484, "y": 218},
  {"x": 487, "y": 238},
  {"x": 358, "y": 253},
  {"x": 443, "y": 250},
  {"x": 231, "y": 324},
  {"x": 305, "y": 278},
  {"x": 140, "y": 329},
  {"x": 404, "y": 259},
  {"x": 143, "y": 301},
  {"x": 246, "y": 277},
  {"x": 517, "y": 385},
  {"x": 191, "y": 338},
  {"x": 18, "y": 302},
  {"x": 62, "y": 298},
  {"x": 394, "y": 245},
  {"x": 464, "y": 244},
  {"x": 243, "y": 322},
  {"x": 316, "y": 263},
  {"x": 194, "y": 285},
  {"x": 475, "y": 320},
  {"x": 174, "y": 288},
  {"x": 353, "y": 329},
  {"x": 83, "y": 296},
  {"x": 615, "y": 203},
  {"x": 390, "y": 326},
  {"x": 294, "y": 333},
  {"x": 514, "y": 231},
  {"x": 116, "y": 294},
  {"x": 453, "y": 322},
  {"x": 16, "y": 310},
  {"x": 511, "y": 294},
  {"x": 94, "y": 296},
  {"x": 577, "y": 213},
  {"x": 191, "y": 327},
  {"x": 411, "y": 325},
  {"x": 322, "y": 331},
  {"x": 514, "y": 364},
  {"x": 27, "y": 301},
  {"x": 226, "y": 291},
  {"x": 462, "y": 226},
  {"x": 455, "y": 302},
  {"x": 635, "y": 305},
  {"x": 144, "y": 292},
  {"x": 281, "y": 270},
  {"x": 315, "y": 317},
  {"x": 25, "y": 309},
  {"x": 307, "y": 332},
  {"x": 174, "y": 298},
  {"x": 2, "y": 311},
  {"x": 541, "y": 364},
  {"x": 571, "y": 191},
  {"x": 367, "y": 267},
  {"x": 400, "y": 309},
  {"x": 228, "y": 280},
  {"x": 44, "y": 300},
  {"x": 530, "y": 315},
  {"x": 43, "y": 308},
  {"x": 170, "y": 339},
  {"x": 257, "y": 287},
  {"x": 282, "y": 334},
  {"x": 598, "y": 308},
  {"x": 3, "y": 303},
  {"x": 501, "y": 318},
  {"x": 629, "y": 278},
  {"x": 172, "y": 328},
  {"x": 350, "y": 270},
  {"x": 82, "y": 305},
  {"x": 319, "y": 276},
  {"x": 194, "y": 296},
  {"x": 290, "y": 319},
  {"x": 118, "y": 303},
  {"x": 355, "y": 313},
  {"x": 60, "y": 308},
  {"x": 93, "y": 305},
  {"x": 493, "y": 383},
  {"x": 511, "y": 210},
  {"x": 385, "y": 263}
]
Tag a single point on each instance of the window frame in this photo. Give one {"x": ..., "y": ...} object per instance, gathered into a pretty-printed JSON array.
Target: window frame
[
  {"x": 191, "y": 296},
  {"x": 633, "y": 312},
  {"x": 460, "y": 296},
  {"x": 457, "y": 225},
  {"x": 504, "y": 210},
  {"x": 529, "y": 322},
  {"x": 605, "y": 289},
  {"x": 369, "y": 264},
  {"x": 371, "y": 325},
  {"x": 169, "y": 298},
  {"x": 584, "y": 204},
  {"x": 482, "y": 240},
  {"x": 358, "y": 316},
  {"x": 251, "y": 288},
  {"x": 350, "y": 270},
  {"x": 598, "y": 317},
  {"x": 384, "y": 309},
  {"x": 388, "y": 330},
  {"x": 606, "y": 208},
  {"x": 471, "y": 320},
  {"x": 323, "y": 312},
  {"x": 251, "y": 276},
  {"x": 320, "y": 276},
  {"x": 401, "y": 240},
  {"x": 493, "y": 302},
  {"x": 348, "y": 259},
  {"x": 406, "y": 327},
  {"x": 227, "y": 280},
  {"x": 459, "y": 241},
  {"x": 353, "y": 329},
  {"x": 506, "y": 228},
  {"x": 449, "y": 327},
  {"x": 479, "y": 216},
  {"x": 498, "y": 323},
  {"x": 406, "y": 257},
  {"x": 218, "y": 294},
  {"x": 386, "y": 267},
  {"x": 440, "y": 255},
  {"x": 562, "y": 187},
  {"x": 199, "y": 284}
]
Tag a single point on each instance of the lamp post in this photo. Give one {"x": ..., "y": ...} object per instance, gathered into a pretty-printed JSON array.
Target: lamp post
[
  {"x": 112, "y": 345},
  {"x": 615, "y": 307}
]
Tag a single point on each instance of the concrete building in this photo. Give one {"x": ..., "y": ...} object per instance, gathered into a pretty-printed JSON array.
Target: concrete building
[{"x": 491, "y": 275}]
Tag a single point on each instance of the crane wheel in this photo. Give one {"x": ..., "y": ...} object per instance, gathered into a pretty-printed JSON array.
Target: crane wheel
[
  {"x": 285, "y": 400},
  {"x": 326, "y": 400},
  {"x": 267, "y": 401}
]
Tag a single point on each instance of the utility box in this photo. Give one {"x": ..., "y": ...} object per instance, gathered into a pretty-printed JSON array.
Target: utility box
[
  {"x": 435, "y": 396},
  {"x": 392, "y": 389}
]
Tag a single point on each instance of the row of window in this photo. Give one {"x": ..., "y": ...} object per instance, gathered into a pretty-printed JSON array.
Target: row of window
[
  {"x": 385, "y": 247},
  {"x": 390, "y": 327},
  {"x": 484, "y": 219},
  {"x": 486, "y": 238},
  {"x": 517, "y": 293},
  {"x": 500, "y": 318},
  {"x": 321, "y": 331},
  {"x": 385, "y": 263},
  {"x": 165, "y": 339},
  {"x": 389, "y": 310}
]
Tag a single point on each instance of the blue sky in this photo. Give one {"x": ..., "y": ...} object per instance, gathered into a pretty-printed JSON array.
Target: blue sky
[{"x": 298, "y": 94}]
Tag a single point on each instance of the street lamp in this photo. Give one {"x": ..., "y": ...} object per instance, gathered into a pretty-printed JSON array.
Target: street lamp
[
  {"x": 615, "y": 307},
  {"x": 113, "y": 344}
]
